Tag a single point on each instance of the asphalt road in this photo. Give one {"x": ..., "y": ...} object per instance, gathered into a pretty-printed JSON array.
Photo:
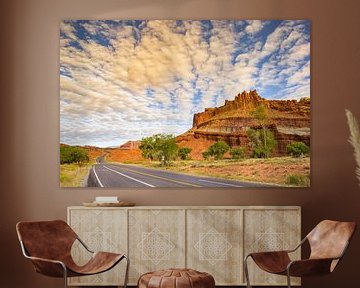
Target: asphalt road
[{"x": 126, "y": 176}]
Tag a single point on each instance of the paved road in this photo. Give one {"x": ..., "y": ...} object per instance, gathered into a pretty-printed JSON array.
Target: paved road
[{"x": 126, "y": 176}]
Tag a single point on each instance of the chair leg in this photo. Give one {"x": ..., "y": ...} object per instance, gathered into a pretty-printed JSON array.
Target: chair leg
[
  {"x": 288, "y": 278},
  {"x": 127, "y": 271},
  {"x": 246, "y": 270},
  {"x": 65, "y": 276}
]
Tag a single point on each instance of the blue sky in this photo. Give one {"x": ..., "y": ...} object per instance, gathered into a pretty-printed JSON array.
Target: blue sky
[{"x": 128, "y": 79}]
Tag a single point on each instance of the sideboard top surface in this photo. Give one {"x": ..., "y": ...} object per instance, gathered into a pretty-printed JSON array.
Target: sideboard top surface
[{"x": 192, "y": 207}]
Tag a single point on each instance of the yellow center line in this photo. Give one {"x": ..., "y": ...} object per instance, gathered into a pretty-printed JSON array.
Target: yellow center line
[{"x": 162, "y": 178}]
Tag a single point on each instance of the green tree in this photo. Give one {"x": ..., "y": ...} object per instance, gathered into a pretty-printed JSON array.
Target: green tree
[
  {"x": 297, "y": 149},
  {"x": 161, "y": 147},
  {"x": 184, "y": 153},
  {"x": 257, "y": 142},
  {"x": 218, "y": 149},
  {"x": 148, "y": 148},
  {"x": 261, "y": 115},
  {"x": 73, "y": 154},
  {"x": 237, "y": 153},
  {"x": 168, "y": 149}
]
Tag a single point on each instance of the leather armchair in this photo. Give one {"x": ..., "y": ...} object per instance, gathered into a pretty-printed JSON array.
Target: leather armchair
[
  {"x": 48, "y": 245},
  {"x": 328, "y": 242}
]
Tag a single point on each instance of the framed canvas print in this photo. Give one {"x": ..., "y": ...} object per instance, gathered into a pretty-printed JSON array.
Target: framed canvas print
[{"x": 184, "y": 103}]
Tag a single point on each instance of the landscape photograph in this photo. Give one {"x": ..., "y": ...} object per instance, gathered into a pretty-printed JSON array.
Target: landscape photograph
[{"x": 185, "y": 103}]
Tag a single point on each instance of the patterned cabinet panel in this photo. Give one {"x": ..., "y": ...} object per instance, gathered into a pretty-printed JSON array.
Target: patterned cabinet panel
[
  {"x": 214, "y": 244},
  {"x": 209, "y": 239},
  {"x": 156, "y": 240},
  {"x": 101, "y": 230},
  {"x": 271, "y": 229}
]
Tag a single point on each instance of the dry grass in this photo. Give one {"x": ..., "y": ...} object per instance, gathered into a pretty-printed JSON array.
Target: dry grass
[
  {"x": 277, "y": 170},
  {"x": 71, "y": 175}
]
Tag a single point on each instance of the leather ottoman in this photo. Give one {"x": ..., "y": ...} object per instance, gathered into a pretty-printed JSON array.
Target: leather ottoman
[{"x": 176, "y": 278}]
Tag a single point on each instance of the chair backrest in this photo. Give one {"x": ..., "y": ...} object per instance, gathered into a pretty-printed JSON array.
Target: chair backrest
[
  {"x": 329, "y": 239},
  {"x": 46, "y": 239}
]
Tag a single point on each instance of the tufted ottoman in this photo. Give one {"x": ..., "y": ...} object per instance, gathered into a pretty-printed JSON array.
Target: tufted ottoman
[{"x": 176, "y": 278}]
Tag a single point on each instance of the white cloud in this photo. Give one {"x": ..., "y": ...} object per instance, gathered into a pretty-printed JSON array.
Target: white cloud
[
  {"x": 300, "y": 76},
  {"x": 254, "y": 26}
]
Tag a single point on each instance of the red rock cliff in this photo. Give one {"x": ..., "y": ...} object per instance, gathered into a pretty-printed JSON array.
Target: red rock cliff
[{"x": 288, "y": 119}]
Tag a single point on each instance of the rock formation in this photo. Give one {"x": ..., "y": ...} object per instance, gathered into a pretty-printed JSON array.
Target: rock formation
[
  {"x": 289, "y": 120},
  {"x": 130, "y": 145}
]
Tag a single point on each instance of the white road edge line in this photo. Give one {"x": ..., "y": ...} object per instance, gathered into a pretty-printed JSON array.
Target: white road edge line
[
  {"x": 97, "y": 178},
  {"x": 226, "y": 184},
  {"x": 128, "y": 177}
]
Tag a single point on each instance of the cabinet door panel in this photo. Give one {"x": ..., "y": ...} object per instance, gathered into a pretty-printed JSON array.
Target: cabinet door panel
[
  {"x": 100, "y": 230},
  {"x": 156, "y": 240},
  {"x": 214, "y": 244},
  {"x": 270, "y": 230},
  {"x": 209, "y": 239}
]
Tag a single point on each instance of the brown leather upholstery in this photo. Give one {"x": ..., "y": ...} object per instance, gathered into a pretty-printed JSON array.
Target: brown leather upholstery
[
  {"x": 328, "y": 239},
  {"x": 176, "y": 278},
  {"x": 328, "y": 242},
  {"x": 53, "y": 240},
  {"x": 272, "y": 262}
]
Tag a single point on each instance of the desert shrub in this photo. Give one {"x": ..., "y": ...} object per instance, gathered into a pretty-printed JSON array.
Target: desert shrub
[
  {"x": 218, "y": 149},
  {"x": 184, "y": 152},
  {"x": 304, "y": 100},
  {"x": 206, "y": 155},
  {"x": 237, "y": 153},
  {"x": 298, "y": 180},
  {"x": 297, "y": 149}
]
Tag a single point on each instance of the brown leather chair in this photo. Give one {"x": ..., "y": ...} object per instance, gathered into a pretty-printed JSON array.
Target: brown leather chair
[
  {"x": 48, "y": 245},
  {"x": 328, "y": 242}
]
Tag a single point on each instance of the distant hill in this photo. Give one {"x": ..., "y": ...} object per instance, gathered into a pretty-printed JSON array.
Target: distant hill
[
  {"x": 289, "y": 120},
  {"x": 130, "y": 145}
]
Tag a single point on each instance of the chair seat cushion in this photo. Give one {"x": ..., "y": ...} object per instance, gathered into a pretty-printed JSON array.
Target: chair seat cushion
[{"x": 176, "y": 278}]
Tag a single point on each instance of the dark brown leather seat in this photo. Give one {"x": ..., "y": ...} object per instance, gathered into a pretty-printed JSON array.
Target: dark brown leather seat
[
  {"x": 328, "y": 242},
  {"x": 176, "y": 278},
  {"x": 48, "y": 245}
]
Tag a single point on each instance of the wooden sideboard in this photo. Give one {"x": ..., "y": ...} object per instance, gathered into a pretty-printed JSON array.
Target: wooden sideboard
[{"x": 212, "y": 239}]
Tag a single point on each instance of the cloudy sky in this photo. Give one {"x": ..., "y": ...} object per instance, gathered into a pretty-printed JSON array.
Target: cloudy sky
[{"x": 125, "y": 80}]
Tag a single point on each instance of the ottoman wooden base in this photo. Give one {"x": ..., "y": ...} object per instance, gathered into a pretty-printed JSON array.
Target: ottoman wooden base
[{"x": 176, "y": 278}]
